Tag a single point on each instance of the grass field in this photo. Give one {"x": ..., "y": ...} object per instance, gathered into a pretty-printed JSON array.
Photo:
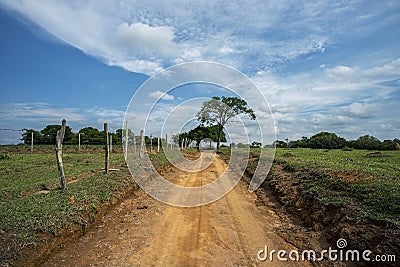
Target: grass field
[
  {"x": 386, "y": 165},
  {"x": 32, "y": 204},
  {"x": 372, "y": 184},
  {"x": 345, "y": 194}
]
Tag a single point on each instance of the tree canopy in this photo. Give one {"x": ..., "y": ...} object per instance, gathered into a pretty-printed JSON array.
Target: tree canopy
[
  {"x": 218, "y": 111},
  {"x": 331, "y": 141},
  {"x": 47, "y": 135}
]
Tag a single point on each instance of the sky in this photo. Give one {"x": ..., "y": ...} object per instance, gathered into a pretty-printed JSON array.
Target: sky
[{"x": 321, "y": 65}]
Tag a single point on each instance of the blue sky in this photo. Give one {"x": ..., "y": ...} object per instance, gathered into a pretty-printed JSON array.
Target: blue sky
[{"x": 322, "y": 65}]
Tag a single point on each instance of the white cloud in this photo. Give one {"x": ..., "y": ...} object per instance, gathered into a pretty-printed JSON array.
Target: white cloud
[
  {"x": 128, "y": 32},
  {"x": 333, "y": 99},
  {"x": 387, "y": 71},
  {"x": 341, "y": 71},
  {"x": 146, "y": 40},
  {"x": 38, "y": 111},
  {"x": 360, "y": 110},
  {"x": 142, "y": 66},
  {"x": 335, "y": 90},
  {"x": 106, "y": 112},
  {"x": 158, "y": 94},
  {"x": 226, "y": 50},
  {"x": 330, "y": 119}
]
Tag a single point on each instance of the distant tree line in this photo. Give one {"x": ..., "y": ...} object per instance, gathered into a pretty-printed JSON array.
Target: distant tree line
[
  {"x": 93, "y": 136},
  {"x": 89, "y": 136},
  {"x": 328, "y": 140}
]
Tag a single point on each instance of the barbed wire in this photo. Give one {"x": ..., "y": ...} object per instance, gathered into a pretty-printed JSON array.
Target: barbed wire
[{"x": 13, "y": 130}]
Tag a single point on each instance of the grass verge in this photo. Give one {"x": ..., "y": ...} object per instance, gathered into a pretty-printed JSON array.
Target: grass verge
[
  {"x": 32, "y": 206},
  {"x": 344, "y": 194}
]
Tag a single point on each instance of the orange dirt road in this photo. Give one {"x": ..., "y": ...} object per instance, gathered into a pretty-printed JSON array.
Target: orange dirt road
[{"x": 141, "y": 231}]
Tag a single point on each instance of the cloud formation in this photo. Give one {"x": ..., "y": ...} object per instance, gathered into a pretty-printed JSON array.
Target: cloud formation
[
  {"x": 322, "y": 65},
  {"x": 146, "y": 40},
  {"x": 158, "y": 94},
  {"x": 176, "y": 31}
]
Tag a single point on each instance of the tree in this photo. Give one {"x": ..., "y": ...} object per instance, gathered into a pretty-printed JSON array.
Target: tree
[
  {"x": 256, "y": 144},
  {"x": 184, "y": 136},
  {"x": 279, "y": 143},
  {"x": 50, "y": 132},
  {"x": 326, "y": 140},
  {"x": 388, "y": 145},
  {"x": 367, "y": 142},
  {"x": 92, "y": 136},
  {"x": 201, "y": 132},
  {"x": 219, "y": 110},
  {"x": 27, "y": 135},
  {"x": 299, "y": 143}
]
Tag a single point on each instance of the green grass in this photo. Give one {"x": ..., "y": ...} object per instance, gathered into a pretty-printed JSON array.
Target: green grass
[
  {"x": 338, "y": 160},
  {"x": 340, "y": 178},
  {"x": 23, "y": 148},
  {"x": 26, "y": 173},
  {"x": 25, "y": 213}
]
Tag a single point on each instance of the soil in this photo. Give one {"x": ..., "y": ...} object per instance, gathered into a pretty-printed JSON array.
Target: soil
[
  {"x": 324, "y": 223},
  {"x": 141, "y": 231}
]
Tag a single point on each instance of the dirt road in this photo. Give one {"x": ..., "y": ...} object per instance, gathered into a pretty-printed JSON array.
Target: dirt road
[{"x": 144, "y": 232}]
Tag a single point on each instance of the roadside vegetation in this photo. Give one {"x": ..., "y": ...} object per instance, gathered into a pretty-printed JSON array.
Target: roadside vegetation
[
  {"x": 367, "y": 180},
  {"x": 351, "y": 194},
  {"x": 32, "y": 208}
]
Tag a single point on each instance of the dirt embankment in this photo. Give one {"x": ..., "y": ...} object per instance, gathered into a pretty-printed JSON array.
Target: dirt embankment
[
  {"x": 326, "y": 222},
  {"x": 36, "y": 253}
]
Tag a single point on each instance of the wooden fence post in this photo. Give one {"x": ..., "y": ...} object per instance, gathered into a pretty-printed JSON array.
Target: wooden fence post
[
  {"x": 151, "y": 143},
  {"x": 126, "y": 139},
  {"x": 166, "y": 142},
  {"x": 106, "y": 148},
  {"x": 134, "y": 143},
  {"x": 171, "y": 140},
  {"x": 110, "y": 143},
  {"x": 32, "y": 142},
  {"x": 59, "y": 141},
  {"x": 142, "y": 145},
  {"x": 79, "y": 141},
  {"x": 182, "y": 143},
  {"x": 158, "y": 143}
]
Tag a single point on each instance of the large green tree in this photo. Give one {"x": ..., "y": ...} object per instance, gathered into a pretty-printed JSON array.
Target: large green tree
[
  {"x": 220, "y": 110},
  {"x": 27, "y": 136},
  {"x": 202, "y": 132},
  {"x": 367, "y": 142},
  {"x": 50, "y": 132},
  {"x": 92, "y": 136},
  {"x": 326, "y": 140}
]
